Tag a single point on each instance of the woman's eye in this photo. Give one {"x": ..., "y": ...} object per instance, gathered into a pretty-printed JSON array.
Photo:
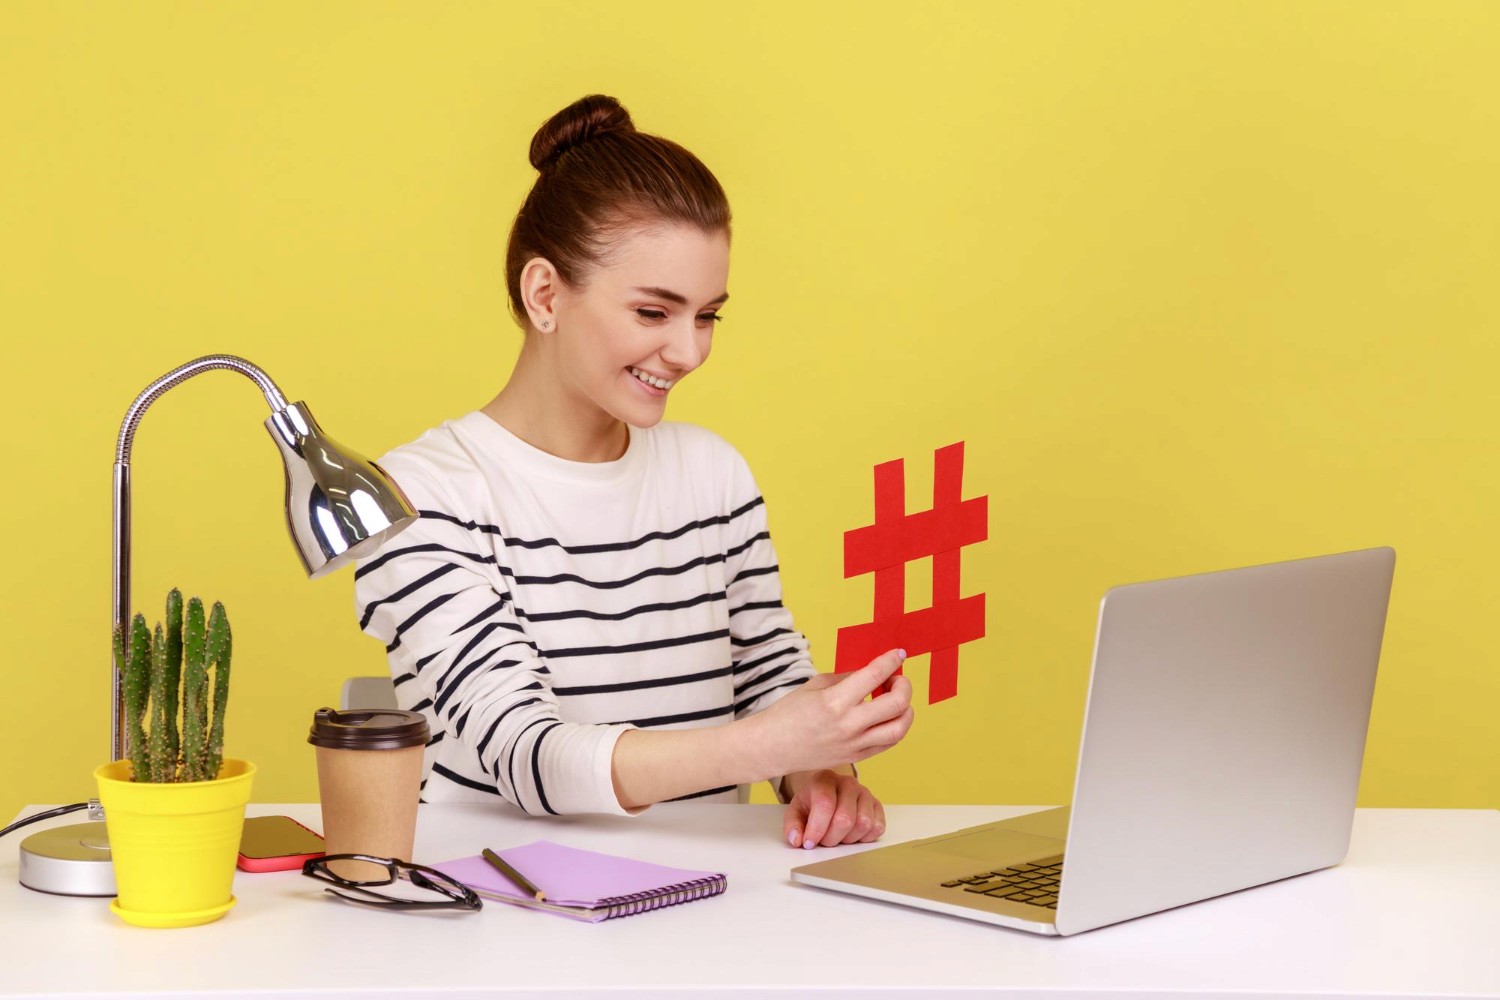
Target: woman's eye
[{"x": 657, "y": 314}]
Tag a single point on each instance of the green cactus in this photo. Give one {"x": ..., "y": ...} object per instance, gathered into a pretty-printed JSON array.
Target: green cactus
[
  {"x": 135, "y": 668},
  {"x": 174, "y": 668},
  {"x": 194, "y": 695},
  {"x": 220, "y": 647},
  {"x": 161, "y": 766},
  {"x": 155, "y": 669}
]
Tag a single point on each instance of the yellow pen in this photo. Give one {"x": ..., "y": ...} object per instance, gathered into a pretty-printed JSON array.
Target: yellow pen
[{"x": 520, "y": 881}]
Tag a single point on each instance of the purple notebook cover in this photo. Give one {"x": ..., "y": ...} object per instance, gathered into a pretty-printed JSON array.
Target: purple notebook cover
[{"x": 571, "y": 876}]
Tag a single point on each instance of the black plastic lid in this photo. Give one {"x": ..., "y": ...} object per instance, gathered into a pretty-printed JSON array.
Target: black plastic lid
[{"x": 368, "y": 729}]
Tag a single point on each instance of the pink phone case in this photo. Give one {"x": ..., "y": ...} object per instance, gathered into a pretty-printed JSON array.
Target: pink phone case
[{"x": 279, "y": 862}]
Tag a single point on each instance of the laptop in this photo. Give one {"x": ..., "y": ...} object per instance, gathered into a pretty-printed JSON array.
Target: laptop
[{"x": 1222, "y": 742}]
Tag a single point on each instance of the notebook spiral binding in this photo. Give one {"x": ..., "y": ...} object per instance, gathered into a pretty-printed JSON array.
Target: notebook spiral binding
[{"x": 681, "y": 892}]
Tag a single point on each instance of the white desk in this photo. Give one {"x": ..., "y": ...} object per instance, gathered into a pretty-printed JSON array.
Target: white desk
[{"x": 1413, "y": 911}]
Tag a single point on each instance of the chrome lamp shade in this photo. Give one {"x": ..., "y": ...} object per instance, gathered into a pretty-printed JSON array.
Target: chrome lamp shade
[{"x": 339, "y": 505}]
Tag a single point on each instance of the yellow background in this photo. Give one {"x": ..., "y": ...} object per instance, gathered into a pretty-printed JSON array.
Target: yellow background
[{"x": 1200, "y": 285}]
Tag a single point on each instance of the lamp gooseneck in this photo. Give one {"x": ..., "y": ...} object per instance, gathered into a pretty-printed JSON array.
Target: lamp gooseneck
[
  {"x": 181, "y": 374},
  {"x": 125, "y": 442},
  {"x": 339, "y": 505}
]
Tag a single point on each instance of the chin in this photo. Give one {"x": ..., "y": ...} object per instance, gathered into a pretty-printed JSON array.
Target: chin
[{"x": 645, "y": 421}]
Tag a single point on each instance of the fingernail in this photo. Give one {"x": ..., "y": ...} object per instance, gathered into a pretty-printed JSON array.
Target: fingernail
[
  {"x": 793, "y": 837},
  {"x": 901, "y": 653},
  {"x": 808, "y": 844}
]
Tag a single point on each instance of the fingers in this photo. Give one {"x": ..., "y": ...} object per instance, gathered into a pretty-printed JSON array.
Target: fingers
[
  {"x": 794, "y": 821},
  {"x": 845, "y": 815},
  {"x": 860, "y": 808},
  {"x": 882, "y": 737},
  {"x": 858, "y": 816},
  {"x": 865, "y": 821},
  {"x": 860, "y": 683},
  {"x": 821, "y": 795},
  {"x": 831, "y": 810},
  {"x": 883, "y": 708},
  {"x": 833, "y": 723}
]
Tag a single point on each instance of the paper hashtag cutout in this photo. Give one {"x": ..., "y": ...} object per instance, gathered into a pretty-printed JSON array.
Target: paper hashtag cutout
[{"x": 895, "y": 539}]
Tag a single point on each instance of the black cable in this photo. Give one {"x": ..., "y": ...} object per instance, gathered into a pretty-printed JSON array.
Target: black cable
[{"x": 49, "y": 814}]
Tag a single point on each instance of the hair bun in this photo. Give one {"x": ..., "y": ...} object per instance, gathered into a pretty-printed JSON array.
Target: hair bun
[{"x": 575, "y": 125}]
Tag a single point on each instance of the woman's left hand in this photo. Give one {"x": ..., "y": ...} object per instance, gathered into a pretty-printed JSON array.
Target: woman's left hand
[{"x": 831, "y": 809}]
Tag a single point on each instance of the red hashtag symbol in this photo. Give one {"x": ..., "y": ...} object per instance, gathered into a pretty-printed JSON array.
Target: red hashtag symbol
[{"x": 895, "y": 539}]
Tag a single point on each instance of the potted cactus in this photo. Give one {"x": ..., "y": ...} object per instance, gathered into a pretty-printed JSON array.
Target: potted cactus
[{"x": 174, "y": 809}]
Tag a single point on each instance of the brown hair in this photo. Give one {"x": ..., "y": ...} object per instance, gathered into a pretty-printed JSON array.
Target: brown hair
[{"x": 599, "y": 176}]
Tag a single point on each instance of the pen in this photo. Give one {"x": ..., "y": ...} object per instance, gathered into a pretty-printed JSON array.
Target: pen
[{"x": 515, "y": 877}]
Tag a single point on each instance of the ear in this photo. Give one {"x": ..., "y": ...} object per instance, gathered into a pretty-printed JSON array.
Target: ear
[{"x": 539, "y": 286}]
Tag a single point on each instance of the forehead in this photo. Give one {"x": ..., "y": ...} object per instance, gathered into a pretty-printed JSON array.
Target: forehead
[{"x": 684, "y": 259}]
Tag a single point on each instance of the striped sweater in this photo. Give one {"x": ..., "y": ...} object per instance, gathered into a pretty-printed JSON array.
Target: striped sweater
[{"x": 539, "y": 607}]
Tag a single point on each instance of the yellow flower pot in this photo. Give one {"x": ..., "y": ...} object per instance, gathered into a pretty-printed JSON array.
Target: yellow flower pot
[{"x": 174, "y": 846}]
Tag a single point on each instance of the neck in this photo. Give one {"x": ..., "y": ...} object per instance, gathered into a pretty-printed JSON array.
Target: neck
[{"x": 540, "y": 409}]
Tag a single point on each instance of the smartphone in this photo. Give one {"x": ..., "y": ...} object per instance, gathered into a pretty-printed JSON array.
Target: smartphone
[{"x": 276, "y": 843}]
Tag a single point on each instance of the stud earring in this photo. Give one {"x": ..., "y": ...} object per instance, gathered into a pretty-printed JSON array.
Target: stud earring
[{"x": 546, "y": 324}]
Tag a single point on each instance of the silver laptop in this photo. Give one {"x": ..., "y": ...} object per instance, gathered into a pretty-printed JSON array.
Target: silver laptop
[{"x": 1222, "y": 743}]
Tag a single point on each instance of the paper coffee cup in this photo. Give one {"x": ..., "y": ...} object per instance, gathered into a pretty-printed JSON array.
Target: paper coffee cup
[{"x": 369, "y": 777}]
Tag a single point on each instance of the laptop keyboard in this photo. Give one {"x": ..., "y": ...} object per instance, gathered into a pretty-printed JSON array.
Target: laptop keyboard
[{"x": 1035, "y": 882}]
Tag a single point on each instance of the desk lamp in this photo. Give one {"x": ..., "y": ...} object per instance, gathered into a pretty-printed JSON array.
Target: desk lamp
[{"x": 339, "y": 507}]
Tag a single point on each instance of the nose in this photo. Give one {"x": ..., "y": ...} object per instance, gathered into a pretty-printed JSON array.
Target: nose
[{"x": 684, "y": 350}]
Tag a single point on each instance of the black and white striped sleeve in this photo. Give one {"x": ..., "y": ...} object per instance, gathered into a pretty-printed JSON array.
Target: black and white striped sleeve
[
  {"x": 770, "y": 656},
  {"x": 438, "y": 599}
]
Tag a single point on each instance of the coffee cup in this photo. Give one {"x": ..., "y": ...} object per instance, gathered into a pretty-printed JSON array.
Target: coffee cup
[{"x": 369, "y": 777}]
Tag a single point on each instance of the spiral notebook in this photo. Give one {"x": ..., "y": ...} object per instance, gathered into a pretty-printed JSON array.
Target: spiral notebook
[{"x": 585, "y": 885}]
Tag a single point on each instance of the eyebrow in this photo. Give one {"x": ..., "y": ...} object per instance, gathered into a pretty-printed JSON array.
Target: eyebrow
[{"x": 671, "y": 296}]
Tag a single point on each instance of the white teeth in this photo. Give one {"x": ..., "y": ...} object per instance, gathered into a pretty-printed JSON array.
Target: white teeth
[{"x": 650, "y": 379}]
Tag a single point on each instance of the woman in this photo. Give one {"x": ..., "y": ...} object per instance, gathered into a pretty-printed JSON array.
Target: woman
[{"x": 588, "y": 610}]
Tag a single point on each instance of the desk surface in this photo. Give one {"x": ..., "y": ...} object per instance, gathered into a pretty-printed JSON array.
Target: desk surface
[{"x": 1413, "y": 911}]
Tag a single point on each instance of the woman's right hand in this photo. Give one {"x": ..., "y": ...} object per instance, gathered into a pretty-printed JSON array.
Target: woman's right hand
[{"x": 827, "y": 721}]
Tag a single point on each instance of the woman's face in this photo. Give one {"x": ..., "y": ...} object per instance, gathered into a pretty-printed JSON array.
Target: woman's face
[{"x": 643, "y": 321}]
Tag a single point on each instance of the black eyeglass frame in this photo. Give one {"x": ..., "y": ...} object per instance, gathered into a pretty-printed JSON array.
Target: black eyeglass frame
[{"x": 460, "y": 896}]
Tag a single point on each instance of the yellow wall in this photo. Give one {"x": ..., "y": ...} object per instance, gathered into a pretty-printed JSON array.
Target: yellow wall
[{"x": 1201, "y": 285}]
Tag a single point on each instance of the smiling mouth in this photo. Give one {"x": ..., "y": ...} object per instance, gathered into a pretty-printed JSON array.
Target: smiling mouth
[{"x": 652, "y": 380}]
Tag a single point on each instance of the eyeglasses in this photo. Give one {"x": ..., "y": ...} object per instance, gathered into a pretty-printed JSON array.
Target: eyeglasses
[{"x": 456, "y": 895}]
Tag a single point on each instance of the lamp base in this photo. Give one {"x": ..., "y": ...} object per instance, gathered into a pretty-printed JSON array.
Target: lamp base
[{"x": 69, "y": 860}]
